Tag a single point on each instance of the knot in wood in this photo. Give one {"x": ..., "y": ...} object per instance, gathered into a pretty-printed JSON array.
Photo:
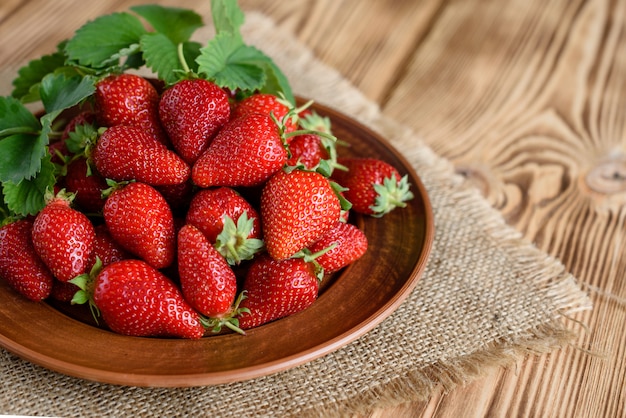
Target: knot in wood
[{"x": 609, "y": 176}]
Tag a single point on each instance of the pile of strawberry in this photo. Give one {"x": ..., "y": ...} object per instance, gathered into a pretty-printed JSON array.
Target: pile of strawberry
[{"x": 177, "y": 205}]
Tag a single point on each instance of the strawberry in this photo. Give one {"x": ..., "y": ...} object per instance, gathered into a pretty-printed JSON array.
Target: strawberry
[
  {"x": 306, "y": 150},
  {"x": 297, "y": 208},
  {"x": 140, "y": 220},
  {"x": 246, "y": 152},
  {"x": 178, "y": 196},
  {"x": 128, "y": 99},
  {"x": 20, "y": 265},
  {"x": 129, "y": 153},
  {"x": 106, "y": 248},
  {"x": 63, "y": 291},
  {"x": 136, "y": 299},
  {"x": 192, "y": 111},
  {"x": 374, "y": 186},
  {"x": 276, "y": 289},
  {"x": 207, "y": 281},
  {"x": 63, "y": 237},
  {"x": 86, "y": 184},
  {"x": 266, "y": 104},
  {"x": 314, "y": 147},
  {"x": 228, "y": 221},
  {"x": 349, "y": 244}
]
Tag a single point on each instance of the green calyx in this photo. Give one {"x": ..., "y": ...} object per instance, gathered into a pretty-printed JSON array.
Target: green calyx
[
  {"x": 228, "y": 320},
  {"x": 113, "y": 186},
  {"x": 310, "y": 257},
  {"x": 86, "y": 284},
  {"x": 234, "y": 242},
  {"x": 390, "y": 195}
]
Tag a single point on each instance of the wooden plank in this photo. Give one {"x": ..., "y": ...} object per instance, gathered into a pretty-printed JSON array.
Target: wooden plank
[{"x": 529, "y": 103}]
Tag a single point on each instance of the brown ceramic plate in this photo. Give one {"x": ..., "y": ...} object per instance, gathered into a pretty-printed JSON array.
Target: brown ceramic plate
[{"x": 351, "y": 303}]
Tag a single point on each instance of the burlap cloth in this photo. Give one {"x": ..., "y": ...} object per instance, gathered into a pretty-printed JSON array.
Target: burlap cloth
[{"x": 487, "y": 297}]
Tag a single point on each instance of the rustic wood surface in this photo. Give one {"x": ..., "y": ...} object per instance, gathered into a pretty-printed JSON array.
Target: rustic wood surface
[{"x": 526, "y": 97}]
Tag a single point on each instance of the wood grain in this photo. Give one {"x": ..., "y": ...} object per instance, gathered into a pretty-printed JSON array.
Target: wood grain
[{"x": 528, "y": 99}]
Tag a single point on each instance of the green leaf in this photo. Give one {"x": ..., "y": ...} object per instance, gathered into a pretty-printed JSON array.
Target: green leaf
[
  {"x": 161, "y": 56},
  {"x": 30, "y": 76},
  {"x": 227, "y": 16},
  {"x": 99, "y": 41},
  {"x": 27, "y": 197},
  {"x": 191, "y": 51},
  {"x": 20, "y": 156},
  {"x": 13, "y": 114},
  {"x": 176, "y": 24},
  {"x": 134, "y": 60},
  {"x": 58, "y": 92},
  {"x": 277, "y": 82},
  {"x": 231, "y": 64}
]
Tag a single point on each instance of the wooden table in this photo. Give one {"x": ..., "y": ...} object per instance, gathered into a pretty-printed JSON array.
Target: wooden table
[{"x": 526, "y": 97}]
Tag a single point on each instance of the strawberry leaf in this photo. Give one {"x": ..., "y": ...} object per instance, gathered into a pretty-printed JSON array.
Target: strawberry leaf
[
  {"x": 20, "y": 157},
  {"x": 23, "y": 141},
  {"x": 100, "y": 42},
  {"x": 26, "y": 85},
  {"x": 27, "y": 197},
  {"x": 14, "y": 115},
  {"x": 161, "y": 56},
  {"x": 231, "y": 64},
  {"x": 176, "y": 24},
  {"x": 227, "y": 16},
  {"x": 58, "y": 92},
  {"x": 277, "y": 82}
]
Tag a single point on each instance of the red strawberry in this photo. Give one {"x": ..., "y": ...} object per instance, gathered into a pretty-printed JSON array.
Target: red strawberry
[
  {"x": 20, "y": 265},
  {"x": 192, "y": 111},
  {"x": 128, "y": 99},
  {"x": 374, "y": 186},
  {"x": 129, "y": 153},
  {"x": 306, "y": 150},
  {"x": 246, "y": 152},
  {"x": 265, "y": 104},
  {"x": 106, "y": 248},
  {"x": 63, "y": 291},
  {"x": 63, "y": 237},
  {"x": 297, "y": 208},
  {"x": 86, "y": 184},
  {"x": 136, "y": 299},
  {"x": 228, "y": 221},
  {"x": 207, "y": 281},
  {"x": 315, "y": 149},
  {"x": 140, "y": 220},
  {"x": 350, "y": 243},
  {"x": 276, "y": 289},
  {"x": 178, "y": 196}
]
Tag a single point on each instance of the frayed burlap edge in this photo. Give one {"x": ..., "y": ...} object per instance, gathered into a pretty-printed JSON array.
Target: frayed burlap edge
[{"x": 445, "y": 376}]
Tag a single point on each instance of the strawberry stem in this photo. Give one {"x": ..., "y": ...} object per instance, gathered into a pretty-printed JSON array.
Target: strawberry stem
[
  {"x": 228, "y": 320},
  {"x": 181, "y": 58}
]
